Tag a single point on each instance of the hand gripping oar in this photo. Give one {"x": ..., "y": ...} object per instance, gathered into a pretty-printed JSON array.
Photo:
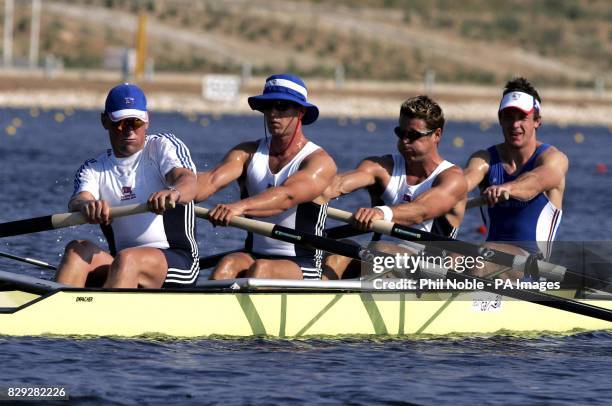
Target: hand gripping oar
[
  {"x": 482, "y": 200},
  {"x": 62, "y": 220},
  {"x": 367, "y": 255}
]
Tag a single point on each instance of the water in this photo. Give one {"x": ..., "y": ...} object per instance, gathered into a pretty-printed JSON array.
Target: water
[{"x": 37, "y": 165}]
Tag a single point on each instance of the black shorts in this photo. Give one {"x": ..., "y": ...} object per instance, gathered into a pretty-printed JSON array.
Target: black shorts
[
  {"x": 183, "y": 268},
  {"x": 307, "y": 264}
]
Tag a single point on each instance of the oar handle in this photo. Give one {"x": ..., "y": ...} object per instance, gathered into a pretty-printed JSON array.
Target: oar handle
[
  {"x": 379, "y": 226},
  {"x": 482, "y": 200},
  {"x": 254, "y": 226},
  {"x": 63, "y": 220}
]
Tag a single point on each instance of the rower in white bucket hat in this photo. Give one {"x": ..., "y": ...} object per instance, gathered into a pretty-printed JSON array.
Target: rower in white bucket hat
[{"x": 282, "y": 179}]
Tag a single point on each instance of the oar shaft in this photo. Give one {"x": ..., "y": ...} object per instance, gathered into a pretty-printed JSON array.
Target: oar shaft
[
  {"x": 413, "y": 234},
  {"x": 357, "y": 252},
  {"x": 295, "y": 236},
  {"x": 27, "y": 260},
  {"x": 61, "y": 220}
]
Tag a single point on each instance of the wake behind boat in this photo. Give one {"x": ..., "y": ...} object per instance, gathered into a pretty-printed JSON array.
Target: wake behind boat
[{"x": 278, "y": 308}]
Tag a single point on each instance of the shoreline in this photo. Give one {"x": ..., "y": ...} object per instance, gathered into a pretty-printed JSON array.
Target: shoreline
[{"x": 353, "y": 99}]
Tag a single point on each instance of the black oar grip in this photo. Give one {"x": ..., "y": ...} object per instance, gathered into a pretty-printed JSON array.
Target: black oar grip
[{"x": 32, "y": 225}]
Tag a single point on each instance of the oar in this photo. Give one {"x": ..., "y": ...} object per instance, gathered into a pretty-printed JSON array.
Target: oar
[
  {"x": 519, "y": 262},
  {"x": 343, "y": 231},
  {"x": 482, "y": 200},
  {"x": 461, "y": 247},
  {"x": 346, "y": 231},
  {"x": 355, "y": 251},
  {"x": 62, "y": 220},
  {"x": 27, "y": 260}
]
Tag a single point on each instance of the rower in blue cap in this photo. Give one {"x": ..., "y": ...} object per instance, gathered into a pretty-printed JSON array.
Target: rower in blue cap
[{"x": 282, "y": 179}]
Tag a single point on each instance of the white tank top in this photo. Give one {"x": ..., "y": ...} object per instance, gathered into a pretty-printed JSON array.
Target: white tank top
[
  {"x": 398, "y": 191},
  {"x": 308, "y": 217}
]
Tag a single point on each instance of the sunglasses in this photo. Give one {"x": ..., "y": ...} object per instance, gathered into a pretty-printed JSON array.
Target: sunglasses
[
  {"x": 411, "y": 135},
  {"x": 133, "y": 123},
  {"x": 279, "y": 105}
]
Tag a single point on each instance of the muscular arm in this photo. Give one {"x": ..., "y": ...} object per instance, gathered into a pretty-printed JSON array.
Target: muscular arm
[
  {"x": 308, "y": 183},
  {"x": 185, "y": 183},
  {"x": 449, "y": 189},
  {"x": 549, "y": 173},
  {"x": 369, "y": 172},
  {"x": 230, "y": 169},
  {"x": 476, "y": 169}
]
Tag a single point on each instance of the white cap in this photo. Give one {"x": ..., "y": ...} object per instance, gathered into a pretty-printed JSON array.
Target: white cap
[{"x": 520, "y": 100}]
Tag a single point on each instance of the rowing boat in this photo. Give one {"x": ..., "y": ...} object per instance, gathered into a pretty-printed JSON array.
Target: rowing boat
[{"x": 279, "y": 308}]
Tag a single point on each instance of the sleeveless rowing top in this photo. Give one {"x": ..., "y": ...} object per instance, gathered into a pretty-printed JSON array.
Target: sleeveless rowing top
[
  {"x": 526, "y": 222},
  {"x": 308, "y": 217},
  {"x": 398, "y": 191}
]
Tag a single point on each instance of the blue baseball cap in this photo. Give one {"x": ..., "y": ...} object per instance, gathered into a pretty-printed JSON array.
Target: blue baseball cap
[
  {"x": 126, "y": 101},
  {"x": 285, "y": 87}
]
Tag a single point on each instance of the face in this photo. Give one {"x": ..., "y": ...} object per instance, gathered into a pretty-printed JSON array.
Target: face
[
  {"x": 519, "y": 128},
  {"x": 283, "y": 117},
  {"x": 126, "y": 136},
  {"x": 415, "y": 140}
]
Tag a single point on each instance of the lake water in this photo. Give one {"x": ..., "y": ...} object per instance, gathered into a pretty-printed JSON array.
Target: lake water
[{"x": 37, "y": 165}]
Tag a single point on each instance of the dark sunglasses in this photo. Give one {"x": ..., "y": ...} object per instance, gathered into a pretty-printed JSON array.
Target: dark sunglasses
[
  {"x": 411, "y": 135},
  {"x": 134, "y": 123},
  {"x": 279, "y": 105}
]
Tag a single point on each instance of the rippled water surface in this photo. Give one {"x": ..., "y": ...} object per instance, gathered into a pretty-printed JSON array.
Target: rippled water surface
[{"x": 37, "y": 165}]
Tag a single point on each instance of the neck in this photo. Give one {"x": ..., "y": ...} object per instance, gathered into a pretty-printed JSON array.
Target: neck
[
  {"x": 519, "y": 155},
  {"x": 282, "y": 146},
  {"x": 424, "y": 166}
]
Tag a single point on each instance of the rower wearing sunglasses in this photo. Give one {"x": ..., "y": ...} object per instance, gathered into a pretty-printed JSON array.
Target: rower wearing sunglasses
[
  {"x": 282, "y": 178},
  {"x": 415, "y": 186},
  {"x": 148, "y": 250}
]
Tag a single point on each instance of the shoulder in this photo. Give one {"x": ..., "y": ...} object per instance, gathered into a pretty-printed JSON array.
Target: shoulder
[
  {"x": 96, "y": 163},
  {"x": 481, "y": 155},
  {"x": 247, "y": 146},
  {"x": 452, "y": 172},
  {"x": 165, "y": 139},
  {"x": 320, "y": 158},
  {"x": 552, "y": 154},
  {"x": 373, "y": 164},
  {"x": 452, "y": 176}
]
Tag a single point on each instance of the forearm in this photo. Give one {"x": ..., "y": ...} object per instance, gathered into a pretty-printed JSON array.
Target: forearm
[
  {"x": 410, "y": 214},
  {"x": 271, "y": 202},
  {"x": 525, "y": 188},
  {"x": 185, "y": 184}
]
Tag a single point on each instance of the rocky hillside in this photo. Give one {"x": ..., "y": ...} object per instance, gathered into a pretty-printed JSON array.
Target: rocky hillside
[{"x": 566, "y": 43}]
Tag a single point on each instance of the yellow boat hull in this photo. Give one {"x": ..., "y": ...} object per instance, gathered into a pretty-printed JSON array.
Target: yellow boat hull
[{"x": 276, "y": 313}]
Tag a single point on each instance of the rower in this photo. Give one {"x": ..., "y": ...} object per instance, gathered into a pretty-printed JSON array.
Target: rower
[
  {"x": 530, "y": 172},
  {"x": 282, "y": 179},
  {"x": 415, "y": 187},
  {"x": 149, "y": 250}
]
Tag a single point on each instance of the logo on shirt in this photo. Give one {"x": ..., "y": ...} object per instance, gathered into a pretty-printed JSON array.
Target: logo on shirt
[
  {"x": 127, "y": 193},
  {"x": 407, "y": 197}
]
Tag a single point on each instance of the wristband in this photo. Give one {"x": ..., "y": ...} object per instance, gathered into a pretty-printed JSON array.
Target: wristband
[{"x": 387, "y": 212}]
